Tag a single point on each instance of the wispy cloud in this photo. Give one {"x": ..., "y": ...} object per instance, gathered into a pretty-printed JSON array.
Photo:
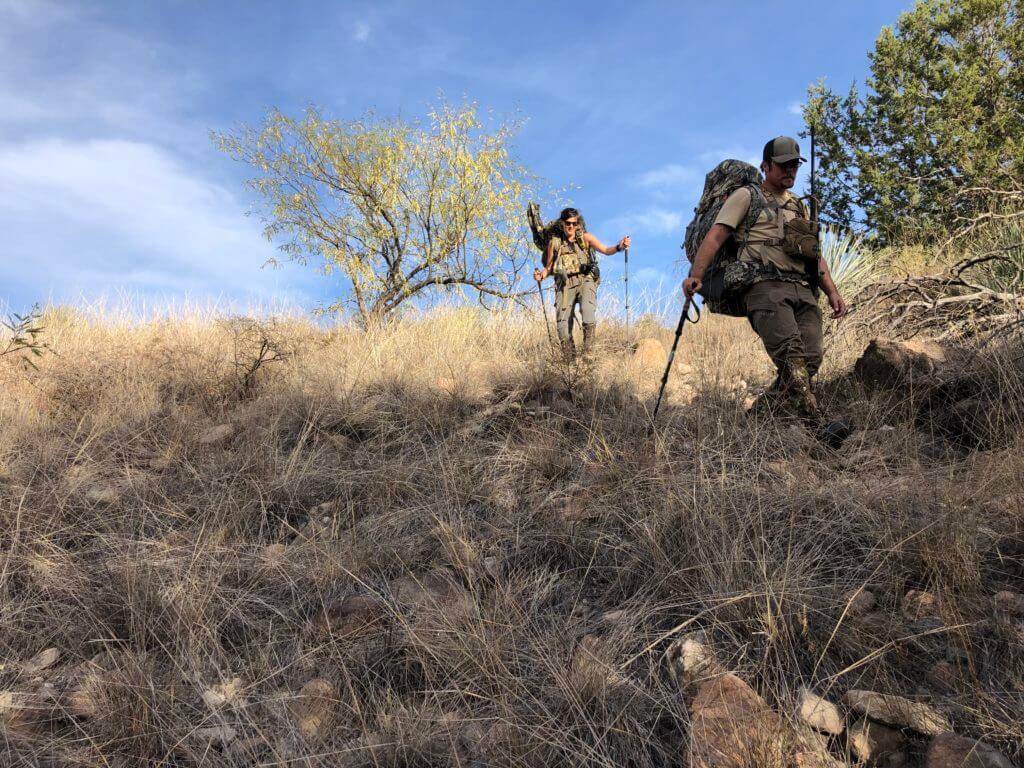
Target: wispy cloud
[
  {"x": 361, "y": 31},
  {"x": 183, "y": 232},
  {"x": 796, "y": 108},
  {"x": 670, "y": 176},
  {"x": 650, "y": 221}
]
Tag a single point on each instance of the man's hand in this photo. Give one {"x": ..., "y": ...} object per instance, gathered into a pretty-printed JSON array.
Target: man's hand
[
  {"x": 691, "y": 285},
  {"x": 624, "y": 243},
  {"x": 838, "y": 305},
  {"x": 540, "y": 274}
]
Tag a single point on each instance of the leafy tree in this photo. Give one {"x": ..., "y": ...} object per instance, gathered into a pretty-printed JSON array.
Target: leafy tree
[
  {"x": 937, "y": 140},
  {"x": 397, "y": 207}
]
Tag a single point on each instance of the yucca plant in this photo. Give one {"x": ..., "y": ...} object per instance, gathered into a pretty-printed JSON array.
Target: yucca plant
[
  {"x": 851, "y": 262},
  {"x": 1002, "y": 244}
]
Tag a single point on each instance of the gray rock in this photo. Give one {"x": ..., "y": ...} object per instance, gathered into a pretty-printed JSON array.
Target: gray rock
[
  {"x": 918, "y": 605},
  {"x": 219, "y": 435},
  {"x": 860, "y": 602},
  {"x": 875, "y": 744},
  {"x": 897, "y": 711},
  {"x": 1009, "y": 602},
  {"x": 948, "y": 750},
  {"x": 820, "y": 714},
  {"x": 41, "y": 661},
  {"x": 690, "y": 658}
]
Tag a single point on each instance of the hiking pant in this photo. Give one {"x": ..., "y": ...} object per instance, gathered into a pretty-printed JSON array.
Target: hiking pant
[
  {"x": 787, "y": 318},
  {"x": 579, "y": 289}
]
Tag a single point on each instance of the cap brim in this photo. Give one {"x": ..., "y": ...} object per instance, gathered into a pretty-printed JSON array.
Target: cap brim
[{"x": 788, "y": 158}]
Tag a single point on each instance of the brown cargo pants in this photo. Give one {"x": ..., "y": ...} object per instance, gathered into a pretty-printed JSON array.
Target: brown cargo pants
[{"x": 787, "y": 317}]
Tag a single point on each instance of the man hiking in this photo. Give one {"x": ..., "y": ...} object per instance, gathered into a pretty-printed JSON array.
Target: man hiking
[
  {"x": 781, "y": 303},
  {"x": 567, "y": 257}
]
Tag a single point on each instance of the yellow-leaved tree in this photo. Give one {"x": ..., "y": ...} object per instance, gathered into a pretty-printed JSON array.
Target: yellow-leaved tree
[{"x": 397, "y": 207}]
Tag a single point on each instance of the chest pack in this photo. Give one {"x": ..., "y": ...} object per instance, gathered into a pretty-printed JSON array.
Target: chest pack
[{"x": 570, "y": 258}]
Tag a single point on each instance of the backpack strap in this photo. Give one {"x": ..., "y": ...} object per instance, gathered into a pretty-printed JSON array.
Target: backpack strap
[{"x": 758, "y": 202}]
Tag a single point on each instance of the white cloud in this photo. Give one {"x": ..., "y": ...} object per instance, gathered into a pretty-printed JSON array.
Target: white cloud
[
  {"x": 361, "y": 32},
  {"x": 124, "y": 214},
  {"x": 652, "y": 221},
  {"x": 796, "y": 108},
  {"x": 670, "y": 176}
]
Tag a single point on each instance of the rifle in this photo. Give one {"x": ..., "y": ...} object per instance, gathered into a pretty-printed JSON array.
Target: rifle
[{"x": 813, "y": 275}]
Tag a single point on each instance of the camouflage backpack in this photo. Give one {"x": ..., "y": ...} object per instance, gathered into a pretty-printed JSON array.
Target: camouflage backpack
[
  {"x": 725, "y": 280},
  {"x": 543, "y": 232}
]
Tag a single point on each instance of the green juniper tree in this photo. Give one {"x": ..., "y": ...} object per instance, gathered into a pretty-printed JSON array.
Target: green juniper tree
[{"x": 936, "y": 140}]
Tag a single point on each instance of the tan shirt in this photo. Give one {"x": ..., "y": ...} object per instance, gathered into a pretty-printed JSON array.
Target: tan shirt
[{"x": 765, "y": 229}]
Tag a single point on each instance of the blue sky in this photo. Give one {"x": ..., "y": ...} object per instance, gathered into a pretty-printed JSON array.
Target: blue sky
[{"x": 111, "y": 190}]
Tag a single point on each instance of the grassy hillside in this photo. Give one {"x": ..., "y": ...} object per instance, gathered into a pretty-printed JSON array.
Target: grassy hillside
[{"x": 437, "y": 545}]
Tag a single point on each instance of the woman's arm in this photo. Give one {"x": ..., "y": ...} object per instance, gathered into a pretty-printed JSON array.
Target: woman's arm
[{"x": 607, "y": 250}]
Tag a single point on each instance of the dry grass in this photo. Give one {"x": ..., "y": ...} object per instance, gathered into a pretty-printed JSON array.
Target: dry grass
[{"x": 456, "y": 442}]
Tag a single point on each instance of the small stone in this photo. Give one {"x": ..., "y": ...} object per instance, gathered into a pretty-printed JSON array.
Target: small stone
[
  {"x": 1009, "y": 602},
  {"x": 274, "y": 553},
  {"x": 897, "y": 711},
  {"x": 41, "y": 661},
  {"x": 220, "y": 735},
  {"x": 821, "y": 714},
  {"x": 860, "y": 602},
  {"x": 948, "y": 750},
  {"x": 616, "y": 617},
  {"x": 313, "y": 710},
  {"x": 22, "y": 711},
  {"x": 355, "y": 613},
  {"x": 918, "y": 605},
  {"x": 228, "y": 693},
  {"x": 108, "y": 493},
  {"x": 944, "y": 676},
  {"x": 431, "y": 590},
  {"x": 650, "y": 353},
  {"x": 874, "y": 743},
  {"x": 222, "y": 433},
  {"x": 691, "y": 658}
]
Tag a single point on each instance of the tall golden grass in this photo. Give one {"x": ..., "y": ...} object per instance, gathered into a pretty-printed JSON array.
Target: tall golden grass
[{"x": 456, "y": 442}]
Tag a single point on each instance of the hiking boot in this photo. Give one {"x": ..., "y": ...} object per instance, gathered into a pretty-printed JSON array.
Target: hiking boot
[
  {"x": 569, "y": 350},
  {"x": 589, "y": 338},
  {"x": 798, "y": 386}
]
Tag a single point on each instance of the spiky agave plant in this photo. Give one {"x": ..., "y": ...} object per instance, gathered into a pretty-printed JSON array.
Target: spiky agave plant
[{"x": 850, "y": 261}]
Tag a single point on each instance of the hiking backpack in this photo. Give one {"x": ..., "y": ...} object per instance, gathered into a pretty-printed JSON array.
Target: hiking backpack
[
  {"x": 720, "y": 294},
  {"x": 543, "y": 232}
]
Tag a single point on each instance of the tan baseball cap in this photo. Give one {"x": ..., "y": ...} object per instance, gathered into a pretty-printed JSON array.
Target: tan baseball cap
[{"x": 782, "y": 149}]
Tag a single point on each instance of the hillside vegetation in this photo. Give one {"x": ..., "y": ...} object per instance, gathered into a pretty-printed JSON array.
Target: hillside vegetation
[{"x": 229, "y": 542}]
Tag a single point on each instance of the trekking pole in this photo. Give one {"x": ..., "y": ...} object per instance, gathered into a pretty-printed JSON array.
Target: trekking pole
[
  {"x": 627, "y": 289},
  {"x": 544, "y": 306},
  {"x": 679, "y": 332}
]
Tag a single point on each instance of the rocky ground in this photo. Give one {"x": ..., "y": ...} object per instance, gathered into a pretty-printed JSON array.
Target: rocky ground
[{"x": 439, "y": 545}]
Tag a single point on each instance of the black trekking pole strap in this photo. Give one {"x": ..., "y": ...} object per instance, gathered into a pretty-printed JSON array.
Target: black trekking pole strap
[{"x": 675, "y": 343}]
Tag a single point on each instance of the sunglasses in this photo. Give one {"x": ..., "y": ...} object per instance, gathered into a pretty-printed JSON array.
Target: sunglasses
[{"x": 570, "y": 223}]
